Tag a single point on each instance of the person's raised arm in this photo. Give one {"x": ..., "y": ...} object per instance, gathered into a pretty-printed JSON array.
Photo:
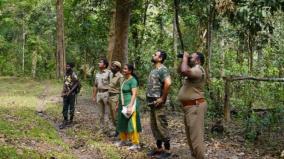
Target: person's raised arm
[{"x": 193, "y": 72}]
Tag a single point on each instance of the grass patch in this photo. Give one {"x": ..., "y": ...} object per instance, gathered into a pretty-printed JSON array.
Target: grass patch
[
  {"x": 12, "y": 152},
  {"x": 13, "y": 86},
  {"x": 23, "y": 134},
  {"x": 109, "y": 151}
]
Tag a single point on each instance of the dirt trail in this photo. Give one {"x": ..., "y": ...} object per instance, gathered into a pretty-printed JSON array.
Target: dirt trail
[
  {"x": 86, "y": 119},
  {"x": 85, "y": 115}
]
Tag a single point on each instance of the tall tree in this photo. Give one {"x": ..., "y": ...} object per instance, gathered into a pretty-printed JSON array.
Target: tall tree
[
  {"x": 60, "y": 51},
  {"x": 208, "y": 52},
  {"x": 122, "y": 19},
  {"x": 176, "y": 10},
  {"x": 111, "y": 41}
]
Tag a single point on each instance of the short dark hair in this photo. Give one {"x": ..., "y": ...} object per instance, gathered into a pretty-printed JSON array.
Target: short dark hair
[
  {"x": 71, "y": 64},
  {"x": 105, "y": 61},
  {"x": 163, "y": 55},
  {"x": 201, "y": 57}
]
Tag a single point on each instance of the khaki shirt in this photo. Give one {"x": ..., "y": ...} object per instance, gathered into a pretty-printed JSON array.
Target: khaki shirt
[
  {"x": 102, "y": 80},
  {"x": 193, "y": 88},
  {"x": 115, "y": 82}
]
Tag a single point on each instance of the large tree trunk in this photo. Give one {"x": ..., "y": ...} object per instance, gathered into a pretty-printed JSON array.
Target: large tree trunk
[
  {"x": 111, "y": 41},
  {"x": 60, "y": 56},
  {"x": 122, "y": 20}
]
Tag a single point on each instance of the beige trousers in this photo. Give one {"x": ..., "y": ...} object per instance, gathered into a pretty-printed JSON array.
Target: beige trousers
[
  {"x": 194, "y": 127},
  {"x": 103, "y": 106},
  {"x": 113, "y": 103}
]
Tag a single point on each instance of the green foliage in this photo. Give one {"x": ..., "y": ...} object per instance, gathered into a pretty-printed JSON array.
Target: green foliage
[
  {"x": 268, "y": 121},
  {"x": 241, "y": 30}
]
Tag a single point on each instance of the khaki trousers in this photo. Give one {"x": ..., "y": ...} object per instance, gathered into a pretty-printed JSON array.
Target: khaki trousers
[
  {"x": 194, "y": 127},
  {"x": 102, "y": 104},
  {"x": 113, "y": 103}
]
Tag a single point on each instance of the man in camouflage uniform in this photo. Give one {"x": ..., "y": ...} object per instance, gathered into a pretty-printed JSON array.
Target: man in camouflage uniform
[
  {"x": 158, "y": 85},
  {"x": 191, "y": 95},
  {"x": 68, "y": 93},
  {"x": 114, "y": 90},
  {"x": 100, "y": 91}
]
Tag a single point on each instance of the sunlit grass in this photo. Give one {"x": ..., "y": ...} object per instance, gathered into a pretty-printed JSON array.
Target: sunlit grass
[
  {"x": 109, "y": 150},
  {"x": 24, "y": 134},
  {"x": 20, "y": 125}
]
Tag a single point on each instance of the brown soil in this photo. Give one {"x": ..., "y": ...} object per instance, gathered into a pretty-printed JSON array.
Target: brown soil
[{"x": 227, "y": 146}]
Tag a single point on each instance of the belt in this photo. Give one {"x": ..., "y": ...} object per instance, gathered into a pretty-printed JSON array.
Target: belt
[
  {"x": 113, "y": 94},
  {"x": 193, "y": 102},
  {"x": 102, "y": 90}
]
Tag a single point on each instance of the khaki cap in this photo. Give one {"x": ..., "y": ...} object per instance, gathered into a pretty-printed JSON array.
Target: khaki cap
[{"x": 116, "y": 63}]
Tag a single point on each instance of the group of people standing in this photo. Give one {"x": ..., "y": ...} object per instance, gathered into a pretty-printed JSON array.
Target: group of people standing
[{"x": 115, "y": 94}]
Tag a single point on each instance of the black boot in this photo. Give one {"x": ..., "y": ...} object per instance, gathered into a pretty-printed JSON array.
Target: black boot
[
  {"x": 63, "y": 125},
  {"x": 71, "y": 120},
  {"x": 116, "y": 134}
]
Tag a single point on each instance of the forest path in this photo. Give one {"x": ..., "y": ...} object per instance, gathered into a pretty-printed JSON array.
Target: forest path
[
  {"x": 78, "y": 146},
  {"x": 217, "y": 147}
]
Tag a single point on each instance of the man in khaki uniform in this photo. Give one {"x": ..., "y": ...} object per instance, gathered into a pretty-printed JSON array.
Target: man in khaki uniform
[
  {"x": 100, "y": 90},
  {"x": 191, "y": 95},
  {"x": 114, "y": 89}
]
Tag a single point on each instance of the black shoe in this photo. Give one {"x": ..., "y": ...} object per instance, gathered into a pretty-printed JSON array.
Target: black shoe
[
  {"x": 153, "y": 153},
  {"x": 70, "y": 122},
  {"x": 71, "y": 118},
  {"x": 163, "y": 155},
  {"x": 116, "y": 134},
  {"x": 63, "y": 125}
]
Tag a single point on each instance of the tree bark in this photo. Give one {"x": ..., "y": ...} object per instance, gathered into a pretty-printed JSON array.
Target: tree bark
[
  {"x": 23, "y": 48},
  {"x": 222, "y": 63},
  {"x": 227, "y": 109},
  {"x": 60, "y": 51},
  {"x": 122, "y": 21},
  {"x": 250, "y": 47},
  {"x": 34, "y": 63},
  {"x": 144, "y": 21},
  {"x": 175, "y": 41},
  {"x": 210, "y": 12},
  {"x": 111, "y": 42},
  {"x": 176, "y": 9}
]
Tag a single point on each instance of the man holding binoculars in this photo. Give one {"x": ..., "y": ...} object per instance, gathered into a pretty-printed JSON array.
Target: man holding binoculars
[{"x": 191, "y": 95}]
